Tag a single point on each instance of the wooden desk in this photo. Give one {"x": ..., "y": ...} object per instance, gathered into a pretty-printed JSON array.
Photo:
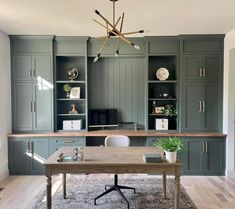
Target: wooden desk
[{"x": 111, "y": 160}]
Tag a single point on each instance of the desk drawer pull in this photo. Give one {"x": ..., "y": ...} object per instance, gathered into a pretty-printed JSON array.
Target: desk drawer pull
[{"x": 68, "y": 142}]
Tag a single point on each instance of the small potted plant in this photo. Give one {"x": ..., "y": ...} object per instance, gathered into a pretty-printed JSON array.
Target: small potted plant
[
  {"x": 170, "y": 145},
  {"x": 67, "y": 89},
  {"x": 169, "y": 110}
]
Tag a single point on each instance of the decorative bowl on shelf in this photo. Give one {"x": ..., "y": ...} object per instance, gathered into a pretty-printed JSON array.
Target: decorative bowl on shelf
[{"x": 162, "y": 74}]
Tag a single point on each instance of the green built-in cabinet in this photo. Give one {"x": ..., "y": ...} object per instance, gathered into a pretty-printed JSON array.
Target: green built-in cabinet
[
  {"x": 202, "y": 106},
  {"x": 26, "y": 155},
  {"x": 32, "y": 83},
  {"x": 201, "y": 67},
  {"x": 201, "y": 83},
  {"x": 70, "y": 53},
  {"x": 129, "y": 83},
  {"x": 32, "y": 107},
  {"x": 163, "y": 52},
  {"x": 202, "y": 156}
]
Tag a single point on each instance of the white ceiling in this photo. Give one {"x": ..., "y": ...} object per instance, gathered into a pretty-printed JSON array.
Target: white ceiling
[{"x": 74, "y": 17}]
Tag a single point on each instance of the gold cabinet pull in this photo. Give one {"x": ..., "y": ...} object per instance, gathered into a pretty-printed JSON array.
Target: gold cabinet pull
[
  {"x": 34, "y": 69},
  {"x": 200, "y": 72},
  {"x": 200, "y": 106},
  {"x": 204, "y": 72},
  {"x": 31, "y": 106},
  {"x": 30, "y": 73},
  {"x": 68, "y": 142},
  {"x": 203, "y": 147},
  {"x": 203, "y": 106},
  {"x": 34, "y": 106}
]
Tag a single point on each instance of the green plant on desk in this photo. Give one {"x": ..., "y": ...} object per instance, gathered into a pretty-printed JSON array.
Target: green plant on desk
[{"x": 170, "y": 145}]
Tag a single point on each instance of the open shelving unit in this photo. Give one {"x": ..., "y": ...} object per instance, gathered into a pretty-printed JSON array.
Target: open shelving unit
[
  {"x": 162, "y": 92},
  {"x": 63, "y": 104}
]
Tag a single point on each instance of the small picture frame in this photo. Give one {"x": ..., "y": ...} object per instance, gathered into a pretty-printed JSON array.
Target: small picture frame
[
  {"x": 159, "y": 110},
  {"x": 75, "y": 93}
]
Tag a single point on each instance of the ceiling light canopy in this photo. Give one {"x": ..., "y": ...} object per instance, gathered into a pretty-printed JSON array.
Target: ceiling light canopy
[{"x": 113, "y": 31}]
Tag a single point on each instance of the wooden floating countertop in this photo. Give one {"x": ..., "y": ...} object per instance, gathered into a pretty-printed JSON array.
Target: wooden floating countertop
[{"x": 104, "y": 133}]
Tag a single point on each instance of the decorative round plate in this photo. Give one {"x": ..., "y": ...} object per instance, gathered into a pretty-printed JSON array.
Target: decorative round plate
[{"x": 162, "y": 74}]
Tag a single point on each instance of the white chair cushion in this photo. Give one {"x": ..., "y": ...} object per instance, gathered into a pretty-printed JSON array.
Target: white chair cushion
[{"x": 117, "y": 141}]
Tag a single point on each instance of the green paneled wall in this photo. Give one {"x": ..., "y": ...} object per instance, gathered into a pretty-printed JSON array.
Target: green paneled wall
[{"x": 118, "y": 83}]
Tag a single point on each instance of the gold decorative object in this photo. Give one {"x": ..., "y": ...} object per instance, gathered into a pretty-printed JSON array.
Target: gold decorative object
[
  {"x": 72, "y": 73},
  {"x": 113, "y": 31},
  {"x": 74, "y": 110}
]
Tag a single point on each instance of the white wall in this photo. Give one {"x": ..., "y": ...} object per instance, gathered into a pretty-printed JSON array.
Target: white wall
[
  {"x": 229, "y": 100},
  {"x": 5, "y": 102}
]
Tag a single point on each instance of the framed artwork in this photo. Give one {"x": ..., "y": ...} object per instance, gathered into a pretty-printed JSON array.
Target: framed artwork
[
  {"x": 75, "y": 93},
  {"x": 159, "y": 110}
]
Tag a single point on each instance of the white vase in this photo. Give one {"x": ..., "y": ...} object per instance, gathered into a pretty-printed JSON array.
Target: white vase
[{"x": 171, "y": 156}]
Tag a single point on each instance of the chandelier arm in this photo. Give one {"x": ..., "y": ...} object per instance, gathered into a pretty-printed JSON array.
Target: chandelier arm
[
  {"x": 107, "y": 28},
  {"x": 104, "y": 44},
  {"x": 134, "y": 32},
  {"x": 97, "y": 12},
  {"x": 100, "y": 37},
  {"x": 113, "y": 12},
  {"x": 117, "y": 51},
  {"x": 122, "y": 22},
  {"x": 117, "y": 22},
  {"x": 102, "y": 47},
  {"x": 102, "y": 25}
]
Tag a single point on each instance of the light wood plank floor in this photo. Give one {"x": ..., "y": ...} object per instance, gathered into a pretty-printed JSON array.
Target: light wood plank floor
[{"x": 206, "y": 192}]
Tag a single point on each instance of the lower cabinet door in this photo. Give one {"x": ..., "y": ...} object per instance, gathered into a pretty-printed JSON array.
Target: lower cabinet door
[
  {"x": 39, "y": 148},
  {"x": 19, "y": 156},
  {"x": 214, "y": 156},
  {"x": 204, "y": 156},
  {"x": 192, "y": 157}
]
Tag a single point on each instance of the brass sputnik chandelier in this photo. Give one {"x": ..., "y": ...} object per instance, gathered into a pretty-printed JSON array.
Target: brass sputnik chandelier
[{"x": 113, "y": 31}]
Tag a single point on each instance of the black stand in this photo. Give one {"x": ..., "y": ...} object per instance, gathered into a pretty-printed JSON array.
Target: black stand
[{"x": 117, "y": 188}]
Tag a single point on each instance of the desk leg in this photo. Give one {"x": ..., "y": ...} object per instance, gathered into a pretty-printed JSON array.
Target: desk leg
[
  {"x": 48, "y": 187},
  {"x": 64, "y": 184},
  {"x": 164, "y": 184},
  {"x": 177, "y": 187}
]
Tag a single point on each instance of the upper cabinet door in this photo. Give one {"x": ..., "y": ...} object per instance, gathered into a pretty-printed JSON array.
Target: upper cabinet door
[
  {"x": 42, "y": 111},
  {"x": 201, "y": 67},
  {"x": 42, "y": 69},
  {"x": 191, "y": 108},
  {"x": 23, "y": 107},
  {"x": 191, "y": 67},
  {"x": 211, "y": 67},
  {"x": 22, "y": 67},
  {"x": 212, "y": 106}
]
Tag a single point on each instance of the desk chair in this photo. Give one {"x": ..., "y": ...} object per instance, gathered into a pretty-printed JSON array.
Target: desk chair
[{"x": 118, "y": 141}]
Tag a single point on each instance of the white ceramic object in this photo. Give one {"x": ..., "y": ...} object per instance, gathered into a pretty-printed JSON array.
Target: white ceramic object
[
  {"x": 162, "y": 74},
  {"x": 170, "y": 157}
]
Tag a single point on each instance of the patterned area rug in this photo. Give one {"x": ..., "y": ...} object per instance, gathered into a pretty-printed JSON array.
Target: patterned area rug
[{"x": 81, "y": 191}]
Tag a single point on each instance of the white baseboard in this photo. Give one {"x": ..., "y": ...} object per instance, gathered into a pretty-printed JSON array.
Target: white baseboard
[{"x": 230, "y": 173}]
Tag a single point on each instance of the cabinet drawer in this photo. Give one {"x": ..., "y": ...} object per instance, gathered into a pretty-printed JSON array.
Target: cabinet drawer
[{"x": 80, "y": 141}]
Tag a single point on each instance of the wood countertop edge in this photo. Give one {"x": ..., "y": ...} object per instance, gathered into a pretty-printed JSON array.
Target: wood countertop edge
[{"x": 114, "y": 132}]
